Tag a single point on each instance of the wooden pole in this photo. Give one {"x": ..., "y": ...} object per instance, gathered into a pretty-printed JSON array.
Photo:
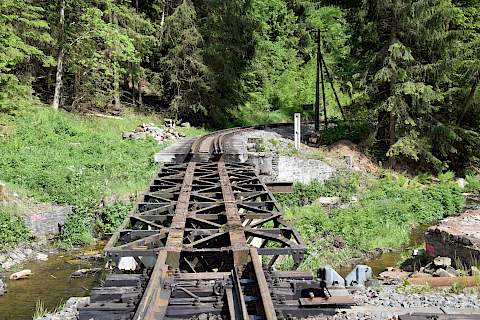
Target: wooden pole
[
  {"x": 317, "y": 87},
  {"x": 320, "y": 57}
]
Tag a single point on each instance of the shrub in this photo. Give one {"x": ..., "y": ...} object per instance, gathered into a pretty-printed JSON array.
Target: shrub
[
  {"x": 344, "y": 184},
  {"x": 12, "y": 228},
  {"x": 382, "y": 218},
  {"x": 112, "y": 216}
]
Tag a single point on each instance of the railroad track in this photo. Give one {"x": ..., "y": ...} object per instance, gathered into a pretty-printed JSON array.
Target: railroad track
[
  {"x": 203, "y": 239},
  {"x": 202, "y": 242}
]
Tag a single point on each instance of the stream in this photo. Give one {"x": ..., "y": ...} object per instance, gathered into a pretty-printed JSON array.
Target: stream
[{"x": 50, "y": 283}]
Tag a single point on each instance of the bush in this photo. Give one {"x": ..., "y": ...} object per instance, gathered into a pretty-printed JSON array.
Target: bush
[
  {"x": 12, "y": 228},
  {"x": 473, "y": 184},
  {"x": 352, "y": 131},
  {"x": 112, "y": 216},
  {"x": 383, "y": 217},
  {"x": 344, "y": 185}
]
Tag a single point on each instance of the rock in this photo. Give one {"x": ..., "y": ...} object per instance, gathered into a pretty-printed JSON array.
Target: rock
[
  {"x": 461, "y": 183},
  {"x": 8, "y": 264},
  {"x": 186, "y": 125},
  {"x": 420, "y": 275},
  {"x": 28, "y": 252},
  {"x": 327, "y": 200},
  {"x": 84, "y": 272},
  {"x": 41, "y": 257},
  {"x": 394, "y": 273},
  {"x": 127, "y": 263},
  {"x": 17, "y": 255},
  {"x": 3, "y": 258},
  {"x": 442, "y": 273},
  {"x": 452, "y": 271},
  {"x": 474, "y": 271},
  {"x": 2, "y": 288},
  {"x": 442, "y": 262},
  {"x": 21, "y": 274}
]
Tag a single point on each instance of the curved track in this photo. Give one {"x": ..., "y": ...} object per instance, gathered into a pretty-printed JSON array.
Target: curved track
[{"x": 203, "y": 239}]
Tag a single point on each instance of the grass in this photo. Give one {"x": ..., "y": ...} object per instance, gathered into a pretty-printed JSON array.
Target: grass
[
  {"x": 63, "y": 158},
  {"x": 383, "y": 217},
  {"x": 12, "y": 228},
  {"x": 41, "y": 310}
]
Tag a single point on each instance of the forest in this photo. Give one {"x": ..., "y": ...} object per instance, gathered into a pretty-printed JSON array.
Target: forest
[{"x": 406, "y": 71}]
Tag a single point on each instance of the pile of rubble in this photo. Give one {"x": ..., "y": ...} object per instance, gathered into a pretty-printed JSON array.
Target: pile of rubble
[{"x": 161, "y": 135}]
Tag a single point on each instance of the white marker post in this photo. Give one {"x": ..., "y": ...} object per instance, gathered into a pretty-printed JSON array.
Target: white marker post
[{"x": 296, "y": 130}]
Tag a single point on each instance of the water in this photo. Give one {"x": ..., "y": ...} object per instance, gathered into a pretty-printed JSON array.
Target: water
[
  {"x": 50, "y": 283},
  {"x": 393, "y": 258}
]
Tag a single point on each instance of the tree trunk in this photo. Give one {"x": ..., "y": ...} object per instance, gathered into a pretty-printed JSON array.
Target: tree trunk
[
  {"x": 140, "y": 99},
  {"x": 391, "y": 136},
  {"x": 61, "y": 53},
  {"x": 470, "y": 97}
]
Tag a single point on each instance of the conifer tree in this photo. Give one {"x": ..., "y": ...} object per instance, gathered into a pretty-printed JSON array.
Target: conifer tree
[{"x": 22, "y": 31}]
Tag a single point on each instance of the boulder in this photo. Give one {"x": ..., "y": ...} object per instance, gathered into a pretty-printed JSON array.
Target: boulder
[
  {"x": 442, "y": 262},
  {"x": 21, "y": 274},
  {"x": 41, "y": 257},
  {"x": 394, "y": 273},
  {"x": 328, "y": 201},
  {"x": 8, "y": 264},
  {"x": 186, "y": 125},
  {"x": 443, "y": 273}
]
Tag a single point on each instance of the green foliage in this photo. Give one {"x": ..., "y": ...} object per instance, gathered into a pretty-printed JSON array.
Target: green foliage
[
  {"x": 382, "y": 218},
  {"x": 61, "y": 158},
  {"x": 352, "y": 131},
  {"x": 112, "y": 216},
  {"x": 473, "y": 184},
  {"x": 22, "y": 33},
  {"x": 12, "y": 228},
  {"x": 344, "y": 185}
]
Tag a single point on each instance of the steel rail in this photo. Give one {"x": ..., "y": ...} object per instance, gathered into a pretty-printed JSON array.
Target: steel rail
[{"x": 202, "y": 240}]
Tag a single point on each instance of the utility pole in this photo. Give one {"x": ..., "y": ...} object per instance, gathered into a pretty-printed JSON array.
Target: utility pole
[
  {"x": 317, "y": 91},
  {"x": 320, "y": 77},
  {"x": 320, "y": 57}
]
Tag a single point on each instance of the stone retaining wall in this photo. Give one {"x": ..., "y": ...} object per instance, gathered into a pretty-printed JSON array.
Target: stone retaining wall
[
  {"x": 46, "y": 220},
  {"x": 457, "y": 238}
]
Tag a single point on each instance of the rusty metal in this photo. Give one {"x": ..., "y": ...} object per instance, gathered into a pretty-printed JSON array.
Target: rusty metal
[
  {"x": 467, "y": 281},
  {"x": 280, "y": 187},
  {"x": 439, "y": 317},
  {"x": 203, "y": 239}
]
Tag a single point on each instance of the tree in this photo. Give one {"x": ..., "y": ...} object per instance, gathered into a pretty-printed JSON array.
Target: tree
[
  {"x": 22, "y": 31},
  {"x": 407, "y": 72}
]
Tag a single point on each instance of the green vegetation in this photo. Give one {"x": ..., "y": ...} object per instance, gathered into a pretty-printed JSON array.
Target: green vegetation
[
  {"x": 383, "y": 217},
  {"x": 12, "y": 228},
  {"x": 113, "y": 215},
  {"x": 65, "y": 158},
  {"x": 473, "y": 184},
  {"x": 406, "y": 71}
]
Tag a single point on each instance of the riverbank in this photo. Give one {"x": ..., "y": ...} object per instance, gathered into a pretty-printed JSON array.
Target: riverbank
[{"x": 81, "y": 161}]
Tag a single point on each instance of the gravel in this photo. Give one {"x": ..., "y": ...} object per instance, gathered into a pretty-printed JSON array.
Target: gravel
[{"x": 390, "y": 296}]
